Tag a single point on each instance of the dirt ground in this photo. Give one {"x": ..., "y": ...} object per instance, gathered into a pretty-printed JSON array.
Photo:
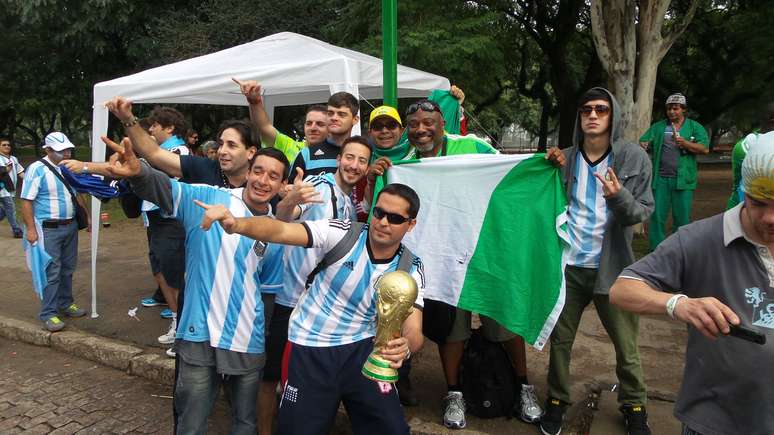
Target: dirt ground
[{"x": 123, "y": 277}]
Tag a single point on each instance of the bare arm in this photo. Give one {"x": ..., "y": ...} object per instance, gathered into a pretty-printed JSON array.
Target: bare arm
[
  {"x": 29, "y": 220},
  {"x": 79, "y": 167},
  {"x": 261, "y": 228},
  {"x": 143, "y": 143},
  {"x": 708, "y": 315},
  {"x": 258, "y": 116},
  {"x": 398, "y": 350}
]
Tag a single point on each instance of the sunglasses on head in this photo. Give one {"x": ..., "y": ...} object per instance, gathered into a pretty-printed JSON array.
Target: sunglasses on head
[
  {"x": 393, "y": 218},
  {"x": 601, "y": 110},
  {"x": 426, "y": 105},
  {"x": 380, "y": 125}
]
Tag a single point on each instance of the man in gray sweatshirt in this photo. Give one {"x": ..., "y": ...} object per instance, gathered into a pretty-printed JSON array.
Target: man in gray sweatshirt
[{"x": 607, "y": 181}]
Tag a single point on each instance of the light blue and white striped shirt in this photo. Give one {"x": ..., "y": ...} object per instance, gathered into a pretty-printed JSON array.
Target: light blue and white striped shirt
[
  {"x": 172, "y": 144},
  {"x": 51, "y": 199},
  {"x": 15, "y": 169},
  {"x": 298, "y": 263},
  {"x": 224, "y": 273},
  {"x": 340, "y": 305},
  {"x": 587, "y": 212}
]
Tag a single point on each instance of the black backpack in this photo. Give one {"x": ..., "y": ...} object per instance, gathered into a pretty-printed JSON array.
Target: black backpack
[{"x": 487, "y": 378}]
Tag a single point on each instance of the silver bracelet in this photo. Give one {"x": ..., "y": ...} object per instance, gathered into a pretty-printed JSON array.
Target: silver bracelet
[
  {"x": 408, "y": 355},
  {"x": 672, "y": 304}
]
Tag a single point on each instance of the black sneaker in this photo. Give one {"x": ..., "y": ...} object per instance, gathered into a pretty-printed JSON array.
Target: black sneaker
[
  {"x": 635, "y": 419},
  {"x": 551, "y": 422},
  {"x": 406, "y": 392}
]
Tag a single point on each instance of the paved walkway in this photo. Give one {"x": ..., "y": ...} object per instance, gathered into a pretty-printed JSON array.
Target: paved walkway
[{"x": 45, "y": 391}]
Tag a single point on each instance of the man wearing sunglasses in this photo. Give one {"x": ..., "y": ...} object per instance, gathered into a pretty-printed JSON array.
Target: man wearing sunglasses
[
  {"x": 332, "y": 327},
  {"x": 674, "y": 143},
  {"x": 607, "y": 181},
  {"x": 426, "y": 134},
  {"x": 324, "y": 196}
]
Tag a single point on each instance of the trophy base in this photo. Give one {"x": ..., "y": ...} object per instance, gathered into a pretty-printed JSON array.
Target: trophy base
[{"x": 378, "y": 369}]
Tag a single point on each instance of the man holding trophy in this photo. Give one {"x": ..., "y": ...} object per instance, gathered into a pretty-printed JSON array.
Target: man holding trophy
[{"x": 336, "y": 352}]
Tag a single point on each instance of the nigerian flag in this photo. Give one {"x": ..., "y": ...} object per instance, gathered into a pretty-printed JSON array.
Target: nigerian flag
[{"x": 491, "y": 232}]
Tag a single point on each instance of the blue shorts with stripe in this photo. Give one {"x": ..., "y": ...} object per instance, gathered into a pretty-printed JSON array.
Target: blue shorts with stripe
[{"x": 319, "y": 378}]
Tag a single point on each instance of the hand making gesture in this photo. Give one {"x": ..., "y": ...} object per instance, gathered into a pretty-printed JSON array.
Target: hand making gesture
[
  {"x": 121, "y": 108},
  {"x": 251, "y": 90},
  {"x": 127, "y": 164},
  {"x": 610, "y": 184},
  {"x": 217, "y": 213}
]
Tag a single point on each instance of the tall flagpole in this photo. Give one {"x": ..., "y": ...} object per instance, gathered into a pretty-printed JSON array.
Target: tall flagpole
[{"x": 390, "y": 51}]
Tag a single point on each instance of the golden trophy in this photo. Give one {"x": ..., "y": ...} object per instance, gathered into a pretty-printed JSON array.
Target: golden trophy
[{"x": 396, "y": 293}]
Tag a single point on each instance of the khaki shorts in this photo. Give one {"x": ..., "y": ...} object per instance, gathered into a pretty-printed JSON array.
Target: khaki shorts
[{"x": 492, "y": 330}]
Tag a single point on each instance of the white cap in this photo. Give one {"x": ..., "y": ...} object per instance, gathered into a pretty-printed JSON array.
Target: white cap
[
  {"x": 57, "y": 141},
  {"x": 676, "y": 99},
  {"x": 758, "y": 168}
]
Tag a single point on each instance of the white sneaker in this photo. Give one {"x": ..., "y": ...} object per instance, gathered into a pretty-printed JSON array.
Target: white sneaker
[
  {"x": 454, "y": 410},
  {"x": 530, "y": 412},
  {"x": 171, "y": 352},
  {"x": 169, "y": 337}
]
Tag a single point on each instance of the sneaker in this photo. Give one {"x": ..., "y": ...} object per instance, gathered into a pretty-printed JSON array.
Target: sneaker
[
  {"x": 54, "y": 324},
  {"x": 406, "y": 392},
  {"x": 551, "y": 422},
  {"x": 529, "y": 408},
  {"x": 166, "y": 313},
  {"x": 169, "y": 337},
  {"x": 635, "y": 419},
  {"x": 454, "y": 410},
  {"x": 74, "y": 311},
  {"x": 171, "y": 352},
  {"x": 151, "y": 302},
  {"x": 18, "y": 234}
]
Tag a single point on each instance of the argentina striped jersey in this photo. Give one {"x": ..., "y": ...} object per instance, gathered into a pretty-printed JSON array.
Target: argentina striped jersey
[
  {"x": 297, "y": 262},
  {"x": 340, "y": 305},
  {"x": 587, "y": 212},
  {"x": 51, "y": 199},
  {"x": 224, "y": 273}
]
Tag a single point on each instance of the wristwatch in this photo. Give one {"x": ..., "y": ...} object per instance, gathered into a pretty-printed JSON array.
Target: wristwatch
[{"x": 85, "y": 169}]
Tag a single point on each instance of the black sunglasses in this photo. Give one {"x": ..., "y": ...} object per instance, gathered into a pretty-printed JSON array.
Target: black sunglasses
[
  {"x": 393, "y": 218},
  {"x": 601, "y": 110},
  {"x": 380, "y": 125},
  {"x": 426, "y": 105}
]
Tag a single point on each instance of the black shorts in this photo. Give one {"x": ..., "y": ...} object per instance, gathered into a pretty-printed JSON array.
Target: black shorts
[
  {"x": 166, "y": 249},
  {"x": 319, "y": 378},
  {"x": 275, "y": 342}
]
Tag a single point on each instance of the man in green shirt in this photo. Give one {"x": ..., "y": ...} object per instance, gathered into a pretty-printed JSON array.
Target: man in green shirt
[
  {"x": 740, "y": 151},
  {"x": 315, "y": 124},
  {"x": 674, "y": 143}
]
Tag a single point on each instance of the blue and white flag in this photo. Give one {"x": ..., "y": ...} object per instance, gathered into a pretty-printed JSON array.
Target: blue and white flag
[{"x": 37, "y": 261}]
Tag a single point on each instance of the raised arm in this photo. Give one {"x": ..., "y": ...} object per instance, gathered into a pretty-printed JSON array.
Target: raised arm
[
  {"x": 262, "y": 228},
  {"x": 258, "y": 116},
  {"x": 143, "y": 143}
]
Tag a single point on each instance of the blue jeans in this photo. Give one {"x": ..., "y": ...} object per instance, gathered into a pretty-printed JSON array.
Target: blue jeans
[
  {"x": 195, "y": 393},
  {"x": 61, "y": 244},
  {"x": 8, "y": 210}
]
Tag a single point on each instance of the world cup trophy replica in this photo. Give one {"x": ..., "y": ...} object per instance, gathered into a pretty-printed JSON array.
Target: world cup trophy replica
[{"x": 396, "y": 293}]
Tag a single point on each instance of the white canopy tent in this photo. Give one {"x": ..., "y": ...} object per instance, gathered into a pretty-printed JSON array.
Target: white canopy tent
[{"x": 293, "y": 70}]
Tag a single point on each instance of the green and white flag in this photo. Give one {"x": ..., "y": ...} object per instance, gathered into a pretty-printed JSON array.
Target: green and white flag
[{"x": 491, "y": 232}]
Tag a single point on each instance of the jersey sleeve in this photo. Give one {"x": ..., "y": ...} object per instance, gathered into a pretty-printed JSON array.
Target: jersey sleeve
[
  {"x": 287, "y": 145},
  {"x": 271, "y": 276},
  {"x": 32, "y": 183},
  {"x": 183, "y": 207},
  {"x": 19, "y": 167},
  {"x": 418, "y": 273},
  {"x": 325, "y": 234},
  {"x": 663, "y": 268}
]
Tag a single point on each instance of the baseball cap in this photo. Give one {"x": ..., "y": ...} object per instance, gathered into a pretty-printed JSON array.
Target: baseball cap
[
  {"x": 57, "y": 141},
  {"x": 676, "y": 99},
  {"x": 385, "y": 111},
  {"x": 758, "y": 168}
]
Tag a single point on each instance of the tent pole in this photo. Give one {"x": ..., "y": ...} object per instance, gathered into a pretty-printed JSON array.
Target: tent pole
[{"x": 390, "y": 51}]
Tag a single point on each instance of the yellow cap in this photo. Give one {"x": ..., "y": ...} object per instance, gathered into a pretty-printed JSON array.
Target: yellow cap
[{"x": 385, "y": 111}]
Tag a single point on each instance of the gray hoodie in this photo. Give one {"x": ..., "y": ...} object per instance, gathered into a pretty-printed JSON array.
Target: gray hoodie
[{"x": 632, "y": 205}]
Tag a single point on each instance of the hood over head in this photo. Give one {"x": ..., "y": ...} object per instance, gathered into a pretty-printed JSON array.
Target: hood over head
[{"x": 615, "y": 121}]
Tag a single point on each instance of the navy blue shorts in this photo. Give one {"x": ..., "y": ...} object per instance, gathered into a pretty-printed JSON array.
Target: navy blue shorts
[{"x": 319, "y": 378}]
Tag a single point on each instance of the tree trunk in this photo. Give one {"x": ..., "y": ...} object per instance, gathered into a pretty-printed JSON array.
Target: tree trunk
[{"x": 630, "y": 45}]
